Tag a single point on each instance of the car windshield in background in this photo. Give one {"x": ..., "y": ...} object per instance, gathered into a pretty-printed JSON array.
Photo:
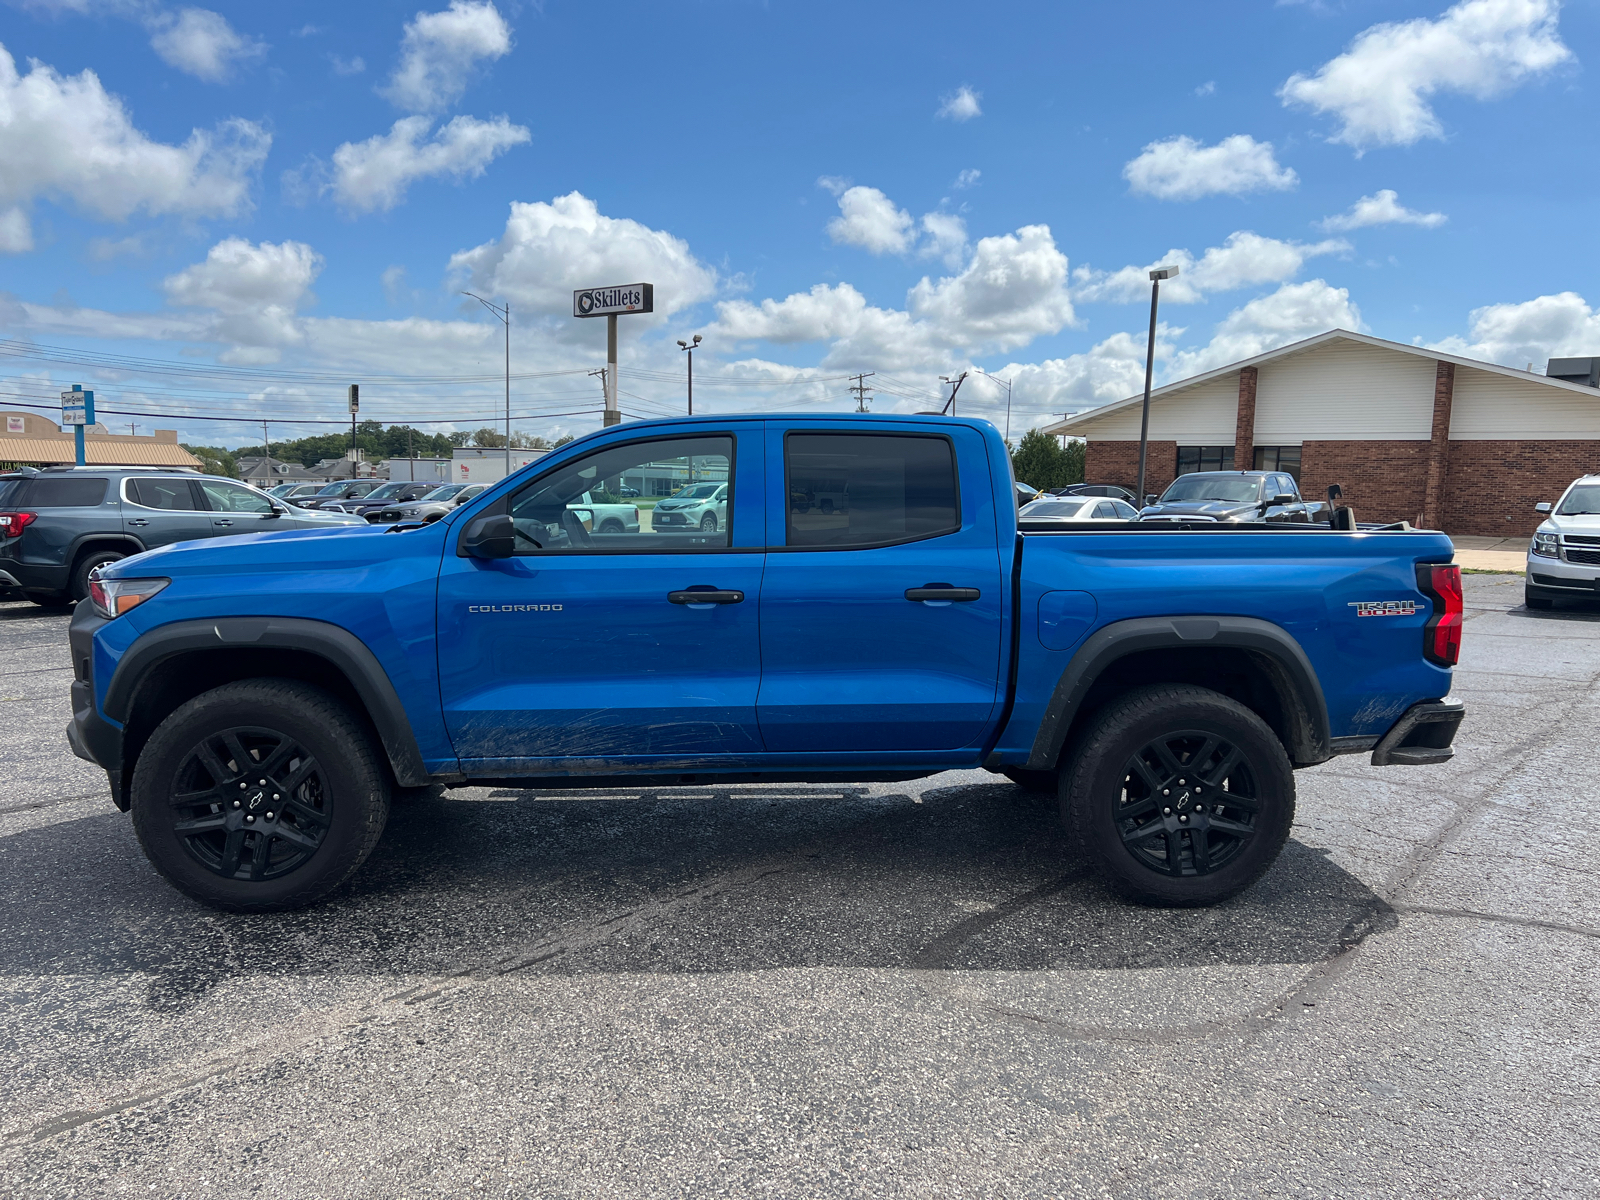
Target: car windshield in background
[
  {"x": 1212, "y": 487},
  {"x": 1580, "y": 501},
  {"x": 442, "y": 493},
  {"x": 387, "y": 492},
  {"x": 702, "y": 491},
  {"x": 1053, "y": 508}
]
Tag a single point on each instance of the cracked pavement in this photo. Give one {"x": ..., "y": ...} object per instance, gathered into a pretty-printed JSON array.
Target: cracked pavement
[{"x": 874, "y": 990}]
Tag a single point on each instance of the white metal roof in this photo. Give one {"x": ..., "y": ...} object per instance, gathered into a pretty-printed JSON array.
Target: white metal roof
[{"x": 1071, "y": 424}]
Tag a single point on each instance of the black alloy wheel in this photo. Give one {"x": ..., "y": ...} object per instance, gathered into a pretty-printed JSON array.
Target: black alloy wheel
[
  {"x": 1183, "y": 795},
  {"x": 259, "y": 796},
  {"x": 1187, "y": 804},
  {"x": 251, "y": 803}
]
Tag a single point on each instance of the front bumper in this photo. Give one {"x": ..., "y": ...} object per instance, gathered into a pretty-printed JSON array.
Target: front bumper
[
  {"x": 92, "y": 737},
  {"x": 1422, "y": 736},
  {"x": 1555, "y": 577}
]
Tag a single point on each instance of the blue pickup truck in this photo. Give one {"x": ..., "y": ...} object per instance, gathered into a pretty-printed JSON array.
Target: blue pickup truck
[{"x": 255, "y": 701}]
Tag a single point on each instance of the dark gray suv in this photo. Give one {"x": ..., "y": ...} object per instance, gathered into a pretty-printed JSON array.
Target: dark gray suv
[{"x": 58, "y": 524}]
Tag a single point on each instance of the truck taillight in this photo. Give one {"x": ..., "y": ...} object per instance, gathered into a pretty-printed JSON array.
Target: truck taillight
[
  {"x": 1441, "y": 636},
  {"x": 13, "y": 523}
]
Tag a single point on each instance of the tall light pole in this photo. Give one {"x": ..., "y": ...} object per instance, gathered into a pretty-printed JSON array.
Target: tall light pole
[
  {"x": 1005, "y": 383},
  {"x": 504, "y": 313},
  {"x": 950, "y": 404},
  {"x": 690, "y": 347},
  {"x": 1156, "y": 277}
]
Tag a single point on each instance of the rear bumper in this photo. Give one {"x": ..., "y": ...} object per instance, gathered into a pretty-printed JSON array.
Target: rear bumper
[
  {"x": 33, "y": 577},
  {"x": 1422, "y": 736}
]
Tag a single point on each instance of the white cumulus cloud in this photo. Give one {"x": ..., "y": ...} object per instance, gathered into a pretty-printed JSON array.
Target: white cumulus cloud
[
  {"x": 1180, "y": 168},
  {"x": 1381, "y": 208},
  {"x": 549, "y": 250},
  {"x": 375, "y": 174},
  {"x": 1294, "y": 312},
  {"x": 439, "y": 52},
  {"x": 1380, "y": 89},
  {"x": 64, "y": 136},
  {"x": 869, "y": 219},
  {"x": 946, "y": 238},
  {"x": 202, "y": 43},
  {"x": 1557, "y": 326},
  {"x": 961, "y": 104},
  {"x": 1243, "y": 260},
  {"x": 254, "y": 291}
]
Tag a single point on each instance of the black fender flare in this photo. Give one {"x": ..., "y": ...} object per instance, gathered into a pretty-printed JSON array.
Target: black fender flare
[
  {"x": 338, "y": 646},
  {"x": 118, "y": 539},
  {"x": 1293, "y": 677}
]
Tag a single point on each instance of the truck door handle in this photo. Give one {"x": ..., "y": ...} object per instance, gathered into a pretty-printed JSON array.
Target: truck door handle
[
  {"x": 704, "y": 597},
  {"x": 222, "y": 521},
  {"x": 942, "y": 593},
  {"x": 137, "y": 521}
]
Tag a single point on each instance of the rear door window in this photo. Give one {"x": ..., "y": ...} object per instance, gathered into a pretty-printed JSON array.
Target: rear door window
[
  {"x": 66, "y": 493},
  {"x": 174, "y": 495},
  {"x": 853, "y": 490}
]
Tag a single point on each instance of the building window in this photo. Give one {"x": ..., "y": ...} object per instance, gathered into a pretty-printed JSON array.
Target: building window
[
  {"x": 1205, "y": 458},
  {"x": 1279, "y": 458}
]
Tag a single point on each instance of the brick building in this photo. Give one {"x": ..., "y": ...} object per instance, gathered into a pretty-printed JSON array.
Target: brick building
[{"x": 1410, "y": 434}]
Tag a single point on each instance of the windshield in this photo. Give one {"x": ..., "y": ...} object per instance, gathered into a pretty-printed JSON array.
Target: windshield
[
  {"x": 1052, "y": 508},
  {"x": 701, "y": 491},
  {"x": 334, "y": 489},
  {"x": 387, "y": 492},
  {"x": 445, "y": 492},
  {"x": 1582, "y": 500},
  {"x": 1233, "y": 489}
]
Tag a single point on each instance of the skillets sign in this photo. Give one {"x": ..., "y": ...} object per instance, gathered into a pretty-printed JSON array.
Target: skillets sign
[{"x": 606, "y": 301}]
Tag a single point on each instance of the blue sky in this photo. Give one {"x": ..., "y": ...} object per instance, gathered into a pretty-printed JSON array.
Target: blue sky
[{"x": 280, "y": 198}]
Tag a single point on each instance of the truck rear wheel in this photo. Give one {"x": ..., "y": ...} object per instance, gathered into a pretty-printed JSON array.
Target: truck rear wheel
[
  {"x": 259, "y": 796},
  {"x": 1183, "y": 795}
]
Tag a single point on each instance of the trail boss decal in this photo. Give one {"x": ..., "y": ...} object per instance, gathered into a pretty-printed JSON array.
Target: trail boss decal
[
  {"x": 1384, "y": 608},
  {"x": 492, "y": 608}
]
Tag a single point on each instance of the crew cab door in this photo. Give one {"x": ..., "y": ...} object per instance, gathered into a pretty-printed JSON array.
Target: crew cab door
[
  {"x": 589, "y": 642},
  {"x": 881, "y": 612}
]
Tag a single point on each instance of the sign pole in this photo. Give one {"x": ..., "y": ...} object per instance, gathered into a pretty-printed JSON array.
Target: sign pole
[
  {"x": 77, "y": 410},
  {"x": 613, "y": 407}
]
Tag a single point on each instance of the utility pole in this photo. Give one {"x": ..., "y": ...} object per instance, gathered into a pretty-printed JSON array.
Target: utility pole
[
  {"x": 950, "y": 404},
  {"x": 861, "y": 389},
  {"x": 1156, "y": 277},
  {"x": 690, "y": 347},
  {"x": 266, "y": 442},
  {"x": 133, "y": 429},
  {"x": 504, "y": 313},
  {"x": 355, "y": 406},
  {"x": 1005, "y": 383}
]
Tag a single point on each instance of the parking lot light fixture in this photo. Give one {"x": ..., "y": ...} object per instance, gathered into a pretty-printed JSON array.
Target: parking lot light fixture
[
  {"x": 1156, "y": 276},
  {"x": 690, "y": 348}
]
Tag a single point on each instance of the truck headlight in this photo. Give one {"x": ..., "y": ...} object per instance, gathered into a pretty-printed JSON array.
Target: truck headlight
[
  {"x": 113, "y": 597},
  {"x": 1546, "y": 544}
]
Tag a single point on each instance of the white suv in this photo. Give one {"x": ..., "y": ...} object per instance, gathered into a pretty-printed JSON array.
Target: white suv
[
  {"x": 1564, "y": 555},
  {"x": 702, "y": 506}
]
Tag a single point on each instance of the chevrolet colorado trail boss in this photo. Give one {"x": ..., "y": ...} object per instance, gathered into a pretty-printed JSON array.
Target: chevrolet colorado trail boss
[{"x": 255, "y": 700}]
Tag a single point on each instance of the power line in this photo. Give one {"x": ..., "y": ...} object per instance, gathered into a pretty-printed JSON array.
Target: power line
[{"x": 860, "y": 390}]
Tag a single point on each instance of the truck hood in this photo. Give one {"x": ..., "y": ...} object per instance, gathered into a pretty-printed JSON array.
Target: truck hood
[
  {"x": 1216, "y": 510},
  {"x": 1583, "y": 524},
  {"x": 285, "y": 551}
]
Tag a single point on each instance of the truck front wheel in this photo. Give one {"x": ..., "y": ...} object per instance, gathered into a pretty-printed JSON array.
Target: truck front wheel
[
  {"x": 1183, "y": 795},
  {"x": 259, "y": 796}
]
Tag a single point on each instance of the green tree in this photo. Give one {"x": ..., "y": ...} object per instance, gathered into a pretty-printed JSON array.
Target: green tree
[
  {"x": 214, "y": 460},
  {"x": 1040, "y": 461}
]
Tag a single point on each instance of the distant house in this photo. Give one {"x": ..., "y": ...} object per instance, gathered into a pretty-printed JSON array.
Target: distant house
[
  {"x": 1408, "y": 433},
  {"x": 28, "y": 439}
]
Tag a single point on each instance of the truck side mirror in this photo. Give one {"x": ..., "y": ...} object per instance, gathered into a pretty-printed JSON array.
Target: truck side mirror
[
  {"x": 1285, "y": 498},
  {"x": 1542, "y": 506},
  {"x": 1335, "y": 493},
  {"x": 491, "y": 537},
  {"x": 1150, "y": 499}
]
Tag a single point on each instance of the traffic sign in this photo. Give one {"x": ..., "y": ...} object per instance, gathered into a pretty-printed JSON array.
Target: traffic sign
[{"x": 614, "y": 301}]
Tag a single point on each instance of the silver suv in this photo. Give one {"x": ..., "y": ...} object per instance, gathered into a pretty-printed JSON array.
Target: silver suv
[{"x": 1564, "y": 555}]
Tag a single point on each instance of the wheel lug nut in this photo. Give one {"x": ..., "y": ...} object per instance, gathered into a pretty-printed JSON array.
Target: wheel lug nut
[
  {"x": 1198, "y": 788},
  {"x": 275, "y": 795},
  {"x": 1180, "y": 783},
  {"x": 1166, "y": 791},
  {"x": 1197, "y": 808},
  {"x": 1183, "y": 817},
  {"x": 236, "y": 804},
  {"x": 249, "y": 820},
  {"x": 1166, "y": 812},
  {"x": 263, "y": 783},
  {"x": 243, "y": 785},
  {"x": 269, "y": 816}
]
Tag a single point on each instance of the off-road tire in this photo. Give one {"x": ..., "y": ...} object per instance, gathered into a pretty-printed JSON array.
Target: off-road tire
[
  {"x": 1033, "y": 781},
  {"x": 351, "y": 776},
  {"x": 1095, "y": 801},
  {"x": 79, "y": 587}
]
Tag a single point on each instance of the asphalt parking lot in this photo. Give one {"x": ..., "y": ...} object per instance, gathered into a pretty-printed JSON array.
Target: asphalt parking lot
[{"x": 887, "y": 990}]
